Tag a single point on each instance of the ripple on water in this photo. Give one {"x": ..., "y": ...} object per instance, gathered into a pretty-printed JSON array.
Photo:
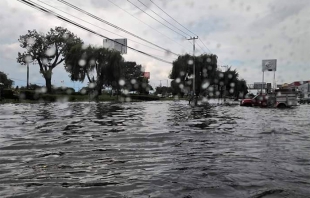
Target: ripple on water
[{"x": 152, "y": 149}]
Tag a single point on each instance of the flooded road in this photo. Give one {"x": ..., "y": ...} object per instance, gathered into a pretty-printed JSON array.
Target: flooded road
[{"x": 153, "y": 149}]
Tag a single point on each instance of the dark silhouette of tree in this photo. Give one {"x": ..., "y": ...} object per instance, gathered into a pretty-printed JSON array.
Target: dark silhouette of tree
[
  {"x": 48, "y": 50},
  {"x": 7, "y": 83},
  {"x": 101, "y": 66}
]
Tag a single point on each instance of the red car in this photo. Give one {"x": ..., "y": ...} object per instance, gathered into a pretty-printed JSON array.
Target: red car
[{"x": 259, "y": 100}]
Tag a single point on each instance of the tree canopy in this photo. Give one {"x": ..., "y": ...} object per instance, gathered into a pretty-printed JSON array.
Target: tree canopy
[
  {"x": 47, "y": 50},
  {"x": 7, "y": 83},
  {"x": 209, "y": 80},
  {"x": 101, "y": 66}
]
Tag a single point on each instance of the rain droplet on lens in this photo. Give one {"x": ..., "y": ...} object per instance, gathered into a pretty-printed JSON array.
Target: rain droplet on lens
[
  {"x": 133, "y": 81},
  {"x": 28, "y": 59},
  {"x": 190, "y": 62},
  {"x": 167, "y": 53},
  {"x": 31, "y": 41},
  {"x": 91, "y": 85},
  {"x": 82, "y": 62},
  {"x": 51, "y": 51},
  {"x": 178, "y": 80},
  {"x": 121, "y": 82},
  {"x": 205, "y": 85}
]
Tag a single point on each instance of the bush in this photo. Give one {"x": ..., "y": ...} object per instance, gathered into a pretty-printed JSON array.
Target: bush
[
  {"x": 8, "y": 94},
  {"x": 144, "y": 97}
]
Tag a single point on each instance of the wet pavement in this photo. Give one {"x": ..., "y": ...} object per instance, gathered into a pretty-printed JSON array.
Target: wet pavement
[{"x": 153, "y": 149}]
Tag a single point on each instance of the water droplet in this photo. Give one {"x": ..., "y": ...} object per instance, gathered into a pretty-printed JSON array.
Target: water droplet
[
  {"x": 133, "y": 81},
  {"x": 92, "y": 62},
  {"x": 83, "y": 91},
  {"x": 28, "y": 59},
  {"x": 178, "y": 80},
  {"x": 82, "y": 62},
  {"x": 92, "y": 85},
  {"x": 232, "y": 84},
  {"x": 190, "y": 62},
  {"x": 51, "y": 51},
  {"x": 205, "y": 85},
  {"x": 31, "y": 41},
  {"x": 121, "y": 82}
]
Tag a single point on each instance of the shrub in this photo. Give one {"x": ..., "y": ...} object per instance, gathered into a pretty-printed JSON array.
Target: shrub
[{"x": 144, "y": 97}]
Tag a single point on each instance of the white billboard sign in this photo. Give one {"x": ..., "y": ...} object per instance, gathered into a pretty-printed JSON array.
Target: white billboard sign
[
  {"x": 269, "y": 65},
  {"x": 117, "y": 44}
]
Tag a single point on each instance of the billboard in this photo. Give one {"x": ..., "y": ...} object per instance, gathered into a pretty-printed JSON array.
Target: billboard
[
  {"x": 259, "y": 85},
  {"x": 269, "y": 65},
  {"x": 116, "y": 44}
]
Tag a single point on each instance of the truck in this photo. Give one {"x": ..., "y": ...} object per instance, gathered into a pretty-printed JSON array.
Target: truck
[{"x": 279, "y": 98}]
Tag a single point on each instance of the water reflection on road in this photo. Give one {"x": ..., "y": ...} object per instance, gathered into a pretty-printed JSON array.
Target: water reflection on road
[{"x": 153, "y": 149}]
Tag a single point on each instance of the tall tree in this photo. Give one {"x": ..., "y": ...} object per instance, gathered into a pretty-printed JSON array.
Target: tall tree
[
  {"x": 7, "y": 83},
  {"x": 47, "y": 50},
  {"x": 182, "y": 70},
  {"x": 101, "y": 66}
]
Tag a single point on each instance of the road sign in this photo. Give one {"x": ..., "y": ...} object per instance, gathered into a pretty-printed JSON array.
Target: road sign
[
  {"x": 269, "y": 65},
  {"x": 116, "y": 44}
]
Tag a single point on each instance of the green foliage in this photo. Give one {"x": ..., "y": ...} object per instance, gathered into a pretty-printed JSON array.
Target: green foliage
[
  {"x": 7, "y": 83},
  {"x": 48, "y": 50}
]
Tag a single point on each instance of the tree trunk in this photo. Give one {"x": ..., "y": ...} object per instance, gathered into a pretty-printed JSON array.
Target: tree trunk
[{"x": 48, "y": 82}]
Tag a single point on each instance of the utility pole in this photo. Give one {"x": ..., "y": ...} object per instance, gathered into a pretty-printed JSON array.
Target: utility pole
[
  {"x": 224, "y": 83},
  {"x": 27, "y": 75},
  {"x": 194, "y": 69}
]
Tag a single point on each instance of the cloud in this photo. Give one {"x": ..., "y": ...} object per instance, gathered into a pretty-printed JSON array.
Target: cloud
[{"x": 241, "y": 33}]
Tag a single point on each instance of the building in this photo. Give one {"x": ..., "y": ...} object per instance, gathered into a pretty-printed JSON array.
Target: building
[{"x": 305, "y": 90}]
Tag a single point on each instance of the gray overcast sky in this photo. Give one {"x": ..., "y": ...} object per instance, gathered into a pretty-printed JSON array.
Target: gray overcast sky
[{"x": 241, "y": 33}]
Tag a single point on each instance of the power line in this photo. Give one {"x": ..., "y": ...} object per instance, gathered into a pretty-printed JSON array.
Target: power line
[
  {"x": 110, "y": 24},
  {"x": 164, "y": 19},
  {"x": 96, "y": 25},
  {"x": 172, "y": 18},
  {"x": 42, "y": 9},
  {"x": 154, "y": 18},
  {"x": 145, "y": 23},
  {"x": 181, "y": 25}
]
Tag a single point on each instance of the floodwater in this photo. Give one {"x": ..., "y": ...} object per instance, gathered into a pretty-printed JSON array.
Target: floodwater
[{"x": 153, "y": 149}]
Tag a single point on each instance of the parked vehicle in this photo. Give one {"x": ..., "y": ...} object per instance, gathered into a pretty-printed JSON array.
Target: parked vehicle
[
  {"x": 280, "y": 98},
  {"x": 259, "y": 100}
]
